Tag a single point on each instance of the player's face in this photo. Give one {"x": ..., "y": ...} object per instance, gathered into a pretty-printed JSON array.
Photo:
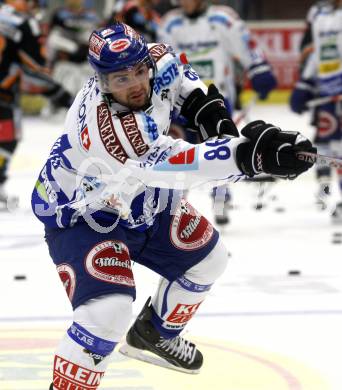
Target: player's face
[
  {"x": 130, "y": 88},
  {"x": 190, "y": 6}
]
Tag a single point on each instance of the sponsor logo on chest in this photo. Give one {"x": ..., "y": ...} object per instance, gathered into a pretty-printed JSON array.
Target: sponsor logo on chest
[
  {"x": 108, "y": 135},
  {"x": 133, "y": 134}
]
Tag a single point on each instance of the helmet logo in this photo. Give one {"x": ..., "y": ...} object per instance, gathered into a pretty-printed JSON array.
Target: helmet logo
[
  {"x": 119, "y": 45},
  {"x": 106, "y": 32},
  {"x": 96, "y": 44}
]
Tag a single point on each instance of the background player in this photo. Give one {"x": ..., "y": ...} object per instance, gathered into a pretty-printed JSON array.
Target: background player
[
  {"x": 67, "y": 43},
  {"x": 321, "y": 76},
  {"x": 215, "y": 39},
  {"x": 21, "y": 55}
]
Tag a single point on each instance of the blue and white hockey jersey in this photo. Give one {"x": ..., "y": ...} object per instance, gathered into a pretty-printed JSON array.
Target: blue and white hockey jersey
[
  {"x": 212, "y": 42},
  {"x": 112, "y": 164},
  {"x": 324, "y": 65}
]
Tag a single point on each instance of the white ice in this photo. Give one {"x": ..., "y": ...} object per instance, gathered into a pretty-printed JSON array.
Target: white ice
[{"x": 255, "y": 303}]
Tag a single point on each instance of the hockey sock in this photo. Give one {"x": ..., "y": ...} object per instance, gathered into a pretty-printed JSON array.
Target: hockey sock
[
  {"x": 81, "y": 360},
  {"x": 84, "y": 353},
  {"x": 177, "y": 301}
]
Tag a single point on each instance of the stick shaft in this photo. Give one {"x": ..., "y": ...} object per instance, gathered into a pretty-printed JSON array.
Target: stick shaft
[
  {"x": 322, "y": 100},
  {"x": 245, "y": 110},
  {"x": 320, "y": 159}
]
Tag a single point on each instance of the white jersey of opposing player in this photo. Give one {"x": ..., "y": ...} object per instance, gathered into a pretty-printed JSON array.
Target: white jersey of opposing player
[
  {"x": 319, "y": 7},
  {"x": 108, "y": 154},
  {"x": 211, "y": 42},
  {"x": 325, "y": 62}
]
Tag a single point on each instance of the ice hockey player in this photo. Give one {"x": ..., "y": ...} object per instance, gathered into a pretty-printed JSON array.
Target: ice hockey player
[
  {"x": 20, "y": 53},
  {"x": 139, "y": 14},
  {"x": 214, "y": 39},
  {"x": 321, "y": 76},
  {"x": 67, "y": 43},
  {"x": 111, "y": 192}
]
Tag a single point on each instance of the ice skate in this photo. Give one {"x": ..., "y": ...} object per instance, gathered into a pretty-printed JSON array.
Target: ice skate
[
  {"x": 221, "y": 213},
  {"x": 322, "y": 196},
  {"x": 222, "y": 202},
  {"x": 7, "y": 202},
  {"x": 143, "y": 342},
  {"x": 336, "y": 216}
]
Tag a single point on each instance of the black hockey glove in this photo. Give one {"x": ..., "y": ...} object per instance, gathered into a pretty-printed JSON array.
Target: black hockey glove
[
  {"x": 59, "y": 97},
  {"x": 207, "y": 114},
  {"x": 270, "y": 150}
]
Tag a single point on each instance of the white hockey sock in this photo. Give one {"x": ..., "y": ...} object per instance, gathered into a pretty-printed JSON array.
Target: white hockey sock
[
  {"x": 84, "y": 353},
  {"x": 176, "y": 302}
]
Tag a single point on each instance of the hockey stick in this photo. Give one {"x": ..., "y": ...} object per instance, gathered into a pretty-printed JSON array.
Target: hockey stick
[
  {"x": 322, "y": 100},
  {"x": 320, "y": 159},
  {"x": 245, "y": 110}
]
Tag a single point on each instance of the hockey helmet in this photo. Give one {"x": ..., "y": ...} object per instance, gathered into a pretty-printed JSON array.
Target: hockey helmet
[{"x": 117, "y": 47}]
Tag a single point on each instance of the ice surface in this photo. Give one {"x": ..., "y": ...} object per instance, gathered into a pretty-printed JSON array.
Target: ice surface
[{"x": 255, "y": 303}]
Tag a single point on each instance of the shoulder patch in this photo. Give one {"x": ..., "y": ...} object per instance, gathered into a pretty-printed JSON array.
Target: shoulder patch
[{"x": 158, "y": 51}]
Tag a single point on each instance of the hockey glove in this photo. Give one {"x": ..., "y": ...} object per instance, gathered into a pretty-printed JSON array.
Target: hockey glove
[
  {"x": 270, "y": 150},
  {"x": 302, "y": 93},
  {"x": 59, "y": 97},
  {"x": 208, "y": 114},
  {"x": 262, "y": 79}
]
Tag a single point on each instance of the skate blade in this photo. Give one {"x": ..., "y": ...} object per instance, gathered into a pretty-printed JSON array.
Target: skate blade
[
  {"x": 11, "y": 204},
  {"x": 148, "y": 357}
]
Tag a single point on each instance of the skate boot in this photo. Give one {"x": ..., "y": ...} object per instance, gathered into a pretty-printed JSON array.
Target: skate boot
[
  {"x": 336, "y": 216},
  {"x": 222, "y": 202},
  {"x": 145, "y": 343},
  {"x": 322, "y": 196},
  {"x": 221, "y": 213},
  {"x": 7, "y": 202}
]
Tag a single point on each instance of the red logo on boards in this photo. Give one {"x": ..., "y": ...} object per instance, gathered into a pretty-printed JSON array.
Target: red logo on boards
[
  {"x": 327, "y": 124},
  {"x": 7, "y": 130}
]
